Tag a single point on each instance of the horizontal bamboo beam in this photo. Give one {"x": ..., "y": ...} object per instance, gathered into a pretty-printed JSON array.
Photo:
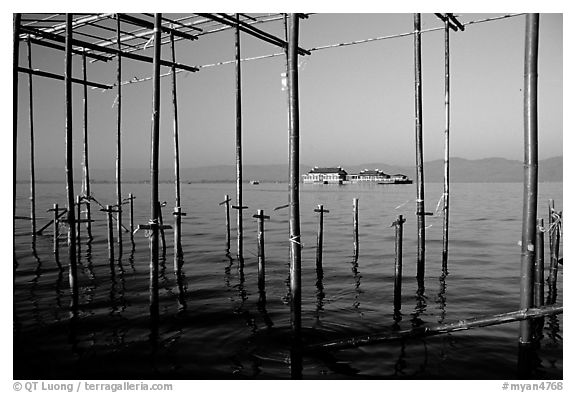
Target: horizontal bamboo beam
[
  {"x": 77, "y": 23},
  {"x": 150, "y": 25},
  {"x": 61, "y": 48},
  {"x": 440, "y": 328},
  {"x": 61, "y": 78},
  {"x": 88, "y": 45},
  {"x": 230, "y": 21}
]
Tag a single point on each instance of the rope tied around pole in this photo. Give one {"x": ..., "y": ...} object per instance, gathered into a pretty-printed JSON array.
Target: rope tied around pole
[{"x": 295, "y": 239}]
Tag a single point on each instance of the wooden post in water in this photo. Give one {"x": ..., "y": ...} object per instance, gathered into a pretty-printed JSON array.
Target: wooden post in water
[
  {"x": 32, "y": 172},
  {"x": 227, "y": 203},
  {"x": 530, "y": 173},
  {"x": 554, "y": 228},
  {"x": 78, "y": 215},
  {"x": 539, "y": 265},
  {"x": 154, "y": 203},
  {"x": 419, "y": 151},
  {"x": 85, "y": 168},
  {"x": 399, "y": 223},
  {"x": 446, "y": 194},
  {"x": 294, "y": 180},
  {"x": 71, "y": 219},
  {"x": 131, "y": 201},
  {"x": 119, "y": 135},
  {"x": 320, "y": 239},
  {"x": 56, "y": 231},
  {"x": 261, "y": 257},
  {"x": 355, "y": 226},
  {"x": 108, "y": 209},
  {"x": 177, "y": 209},
  {"x": 239, "y": 145},
  {"x": 161, "y": 227}
]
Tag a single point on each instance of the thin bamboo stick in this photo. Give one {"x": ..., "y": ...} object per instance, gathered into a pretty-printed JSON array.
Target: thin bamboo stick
[
  {"x": 61, "y": 78},
  {"x": 440, "y": 328},
  {"x": 78, "y": 215},
  {"x": 446, "y": 144},
  {"x": 154, "y": 204},
  {"x": 239, "y": 204},
  {"x": 85, "y": 166},
  {"x": 71, "y": 219},
  {"x": 294, "y": 180},
  {"x": 539, "y": 265},
  {"x": 419, "y": 151},
  {"x": 119, "y": 137},
  {"x": 177, "y": 210},
  {"x": 355, "y": 226},
  {"x": 320, "y": 239},
  {"x": 32, "y": 159},
  {"x": 530, "y": 172},
  {"x": 227, "y": 203},
  {"x": 261, "y": 254},
  {"x": 398, "y": 263}
]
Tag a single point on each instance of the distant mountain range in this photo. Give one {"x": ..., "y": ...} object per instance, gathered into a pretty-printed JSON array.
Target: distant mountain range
[{"x": 487, "y": 170}]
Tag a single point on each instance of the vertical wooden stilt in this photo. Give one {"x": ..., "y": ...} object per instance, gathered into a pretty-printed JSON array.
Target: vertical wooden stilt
[
  {"x": 110, "y": 226},
  {"x": 294, "y": 181},
  {"x": 446, "y": 194},
  {"x": 530, "y": 172},
  {"x": 320, "y": 239},
  {"x": 85, "y": 167},
  {"x": 178, "y": 209},
  {"x": 539, "y": 265},
  {"x": 419, "y": 152},
  {"x": 131, "y": 199},
  {"x": 32, "y": 159},
  {"x": 56, "y": 231},
  {"x": 399, "y": 223},
  {"x": 119, "y": 137},
  {"x": 78, "y": 215},
  {"x": 154, "y": 203},
  {"x": 261, "y": 255},
  {"x": 227, "y": 203},
  {"x": 355, "y": 226},
  {"x": 239, "y": 145},
  {"x": 71, "y": 219}
]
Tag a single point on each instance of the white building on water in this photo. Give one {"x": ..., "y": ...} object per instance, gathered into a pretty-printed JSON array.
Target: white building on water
[{"x": 337, "y": 175}]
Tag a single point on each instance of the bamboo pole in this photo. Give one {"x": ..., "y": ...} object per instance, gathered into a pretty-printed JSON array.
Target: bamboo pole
[
  {"x": 119, "y": 136},
  {"x": 177, "y": 209},
  {"x": 56, "y": 231},
  {"x": 294, "y": 180},
  {"x": 530, "y": 172},
  {"x": 161, "y": 227},
  {"x": 71, "y": 219},
  {"x": 32, "y": 159},
  {"x": 355, "y": 226},
  {"x": 226, "y": 202},
  {"x": 261, "y": 256},
  {"x": 85, "y": 167},
  {"x": 131, "y": 199},
  {"x": 398, "y": 263},
  {"x": 320, "y": 239},
  {"x": 15, "y": 58},
  {"x": 554, "y": 229},
  {"x": 446, "y": 144},
  {"x": 110, "y": 227},
  {"x": 419, "y": 151},
  {"x": 539, "y": 265},
  {"x": 154, "y": 204},
  {"x": 78, "y": 215},
  {"x": 239, "y": 145},
  {"x": 439, "y": 328}
]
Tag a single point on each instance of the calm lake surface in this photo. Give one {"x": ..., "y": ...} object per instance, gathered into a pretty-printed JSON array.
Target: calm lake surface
[{"x": 221, "y": 328}]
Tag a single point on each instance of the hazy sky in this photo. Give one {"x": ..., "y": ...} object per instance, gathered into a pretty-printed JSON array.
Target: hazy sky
[{"x": 356, "y": 102}]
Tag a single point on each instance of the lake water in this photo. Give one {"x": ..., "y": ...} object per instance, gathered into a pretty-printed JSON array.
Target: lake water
[{"x": 227, "y": 331}]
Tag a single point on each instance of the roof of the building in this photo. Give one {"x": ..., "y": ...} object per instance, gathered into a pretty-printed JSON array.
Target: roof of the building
[
  {"x": 373, "y": 172},
  {"x": 338, "y": 170}
]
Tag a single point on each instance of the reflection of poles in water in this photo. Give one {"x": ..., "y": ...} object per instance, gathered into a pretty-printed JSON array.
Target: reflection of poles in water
[
  {"x": 262, "y": 309},
  {"x": 34, "y": 282},
  {"x": 181, "y": 282},
  {"x": 319, "y": 294},
  {"x": 131, "y": 257},
  {"x": 400, "y": 364},
  {"x": 420, "y": 307}
]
